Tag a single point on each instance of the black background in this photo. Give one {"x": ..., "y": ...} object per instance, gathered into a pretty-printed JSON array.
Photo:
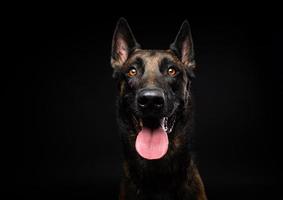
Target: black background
[{"x": 63, "y": 138}]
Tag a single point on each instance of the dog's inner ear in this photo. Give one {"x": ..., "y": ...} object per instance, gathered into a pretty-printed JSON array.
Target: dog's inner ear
[
  {"x": 123, "y": 43},
  {"x": 183, "y": 45}
]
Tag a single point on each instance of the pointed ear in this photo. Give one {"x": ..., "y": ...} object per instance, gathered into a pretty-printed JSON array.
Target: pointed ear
[
  {"x": 123, "y": 43},
  {"x": 183, "y": 45}
]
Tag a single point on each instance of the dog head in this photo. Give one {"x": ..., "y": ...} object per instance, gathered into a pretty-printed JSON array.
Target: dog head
[{"x": 153, "y": 86}]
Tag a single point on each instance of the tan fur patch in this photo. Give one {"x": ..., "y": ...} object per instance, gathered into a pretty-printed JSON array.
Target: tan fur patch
[
  {"x": 177, "y": 142},
  {"x": 199, "y": 185},
  {"x": 122, "y": 88}
]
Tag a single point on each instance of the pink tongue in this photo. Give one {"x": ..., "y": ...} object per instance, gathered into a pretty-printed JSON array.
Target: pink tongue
[{"x": 152, "y": 144}]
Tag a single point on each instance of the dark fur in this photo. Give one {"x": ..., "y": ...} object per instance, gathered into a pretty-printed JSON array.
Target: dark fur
[{"x": 175, "y": 175}]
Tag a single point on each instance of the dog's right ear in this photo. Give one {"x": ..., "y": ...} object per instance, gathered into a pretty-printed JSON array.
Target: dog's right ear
[{"x": 123, "y": 43}]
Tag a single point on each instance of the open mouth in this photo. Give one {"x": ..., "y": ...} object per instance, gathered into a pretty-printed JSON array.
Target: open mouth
[{"x": 152, "y": 139}]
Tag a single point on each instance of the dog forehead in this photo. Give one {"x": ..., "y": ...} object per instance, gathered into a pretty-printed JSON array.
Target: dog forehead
[{"x": 152, "y": 58}]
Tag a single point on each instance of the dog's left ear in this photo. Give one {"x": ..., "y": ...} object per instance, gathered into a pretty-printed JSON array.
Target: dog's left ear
[
  {"x": 123, "y": 43},
  {"x": 183, "y": 46}
]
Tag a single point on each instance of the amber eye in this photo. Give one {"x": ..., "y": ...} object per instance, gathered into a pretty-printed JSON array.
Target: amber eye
[
  {"x": 172, "y": 71},
  {"x": 132, "y": 72}
]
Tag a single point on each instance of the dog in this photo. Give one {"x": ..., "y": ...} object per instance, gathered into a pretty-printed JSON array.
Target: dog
[{"x": 155, "y": 117}]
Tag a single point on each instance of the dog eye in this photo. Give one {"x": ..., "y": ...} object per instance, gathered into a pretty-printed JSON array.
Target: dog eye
[
  {"x": 132, "y": 72},
  {"x": 171, "y": 71}
]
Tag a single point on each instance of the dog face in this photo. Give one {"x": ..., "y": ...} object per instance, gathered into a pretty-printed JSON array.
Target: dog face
[{"x": 153, "y": 86}]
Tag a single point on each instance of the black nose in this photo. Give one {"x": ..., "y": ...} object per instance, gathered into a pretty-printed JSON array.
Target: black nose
[{"x": 151, "y": 99}]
